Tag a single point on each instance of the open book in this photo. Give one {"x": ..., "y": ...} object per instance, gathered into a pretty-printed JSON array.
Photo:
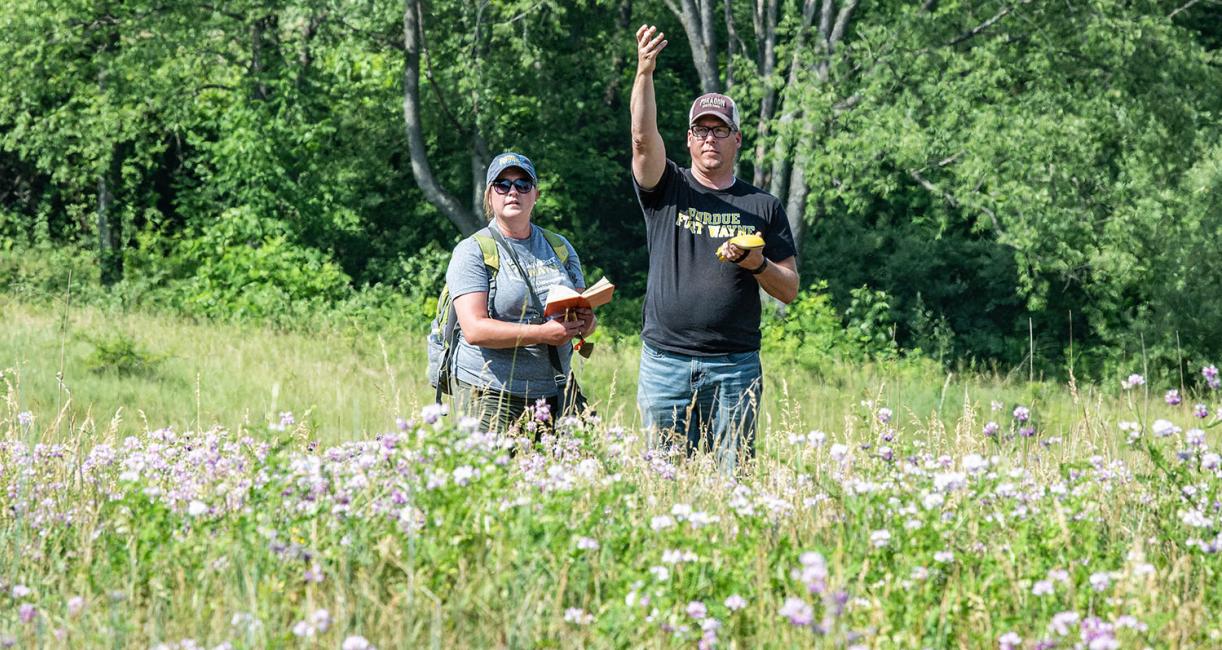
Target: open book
[{"x": 561, "y": 298}]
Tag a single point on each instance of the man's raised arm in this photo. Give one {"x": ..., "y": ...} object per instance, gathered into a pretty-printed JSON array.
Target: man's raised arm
[{"x": 648, "y": 151}]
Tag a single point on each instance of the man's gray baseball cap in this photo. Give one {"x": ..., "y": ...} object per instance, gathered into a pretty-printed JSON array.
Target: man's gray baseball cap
[{"x": 717, "y": 105}]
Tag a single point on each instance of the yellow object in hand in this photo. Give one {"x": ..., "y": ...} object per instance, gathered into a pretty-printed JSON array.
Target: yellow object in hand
[{"x": 745, "y": 242}]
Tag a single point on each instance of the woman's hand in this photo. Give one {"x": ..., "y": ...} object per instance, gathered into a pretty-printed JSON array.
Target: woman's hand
[
  {"x": 585, "y": 317},
  {"x": 558, "y": 332}
]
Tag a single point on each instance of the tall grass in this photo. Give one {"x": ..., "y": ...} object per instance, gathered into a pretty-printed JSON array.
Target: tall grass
[
  {"x": 222, "y": 522},
  {"x": 348, "y": 383}
]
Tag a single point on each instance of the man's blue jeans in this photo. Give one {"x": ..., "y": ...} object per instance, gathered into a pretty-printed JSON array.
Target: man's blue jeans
[{"x": 710, "y": 402}]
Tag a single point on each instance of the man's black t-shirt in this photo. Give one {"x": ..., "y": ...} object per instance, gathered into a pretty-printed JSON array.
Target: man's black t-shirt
[{"x": 694, "y": 303}]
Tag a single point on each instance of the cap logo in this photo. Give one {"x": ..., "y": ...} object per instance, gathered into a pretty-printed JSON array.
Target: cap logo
[
  {"x": 713, "y": 101},
  {"x": 507, "y": 160}
]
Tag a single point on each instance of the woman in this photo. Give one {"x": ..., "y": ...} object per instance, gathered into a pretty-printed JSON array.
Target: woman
[{"x": 507, "y": 356}]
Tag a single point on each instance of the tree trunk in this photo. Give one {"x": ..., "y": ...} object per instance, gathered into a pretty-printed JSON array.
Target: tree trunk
[
  {"x": 779, "y": 177},
  {"x": 795, "y": 206},
  {"x": 830, "y": 34},
  {"x": 262, "y": 47},
  {"x": 765, "y": 34},
  {"x": 623, "y": 27},
  {"x": 109, "y": 259},
  {"x": 697, "y": 21},
  {"x": 464, "y": 220},
  {"x": 479, "y": 169}
]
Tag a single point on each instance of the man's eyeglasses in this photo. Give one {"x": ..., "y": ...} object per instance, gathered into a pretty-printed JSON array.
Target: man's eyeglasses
[
  {"x": 523, "y": 186},
  {"x": 719, "y": 132}
]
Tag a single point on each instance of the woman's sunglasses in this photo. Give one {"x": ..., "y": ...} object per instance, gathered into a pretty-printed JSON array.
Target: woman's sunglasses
[{"x": 522, "y": 185}]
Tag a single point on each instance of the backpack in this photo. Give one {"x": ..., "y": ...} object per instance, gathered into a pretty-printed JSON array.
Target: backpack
[{"x": 443, "y": 333}]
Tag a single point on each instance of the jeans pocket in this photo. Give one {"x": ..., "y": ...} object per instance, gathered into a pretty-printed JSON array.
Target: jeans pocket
[
  {"x": 651, "y": 352},
  {"x": 744, "y": 361}
]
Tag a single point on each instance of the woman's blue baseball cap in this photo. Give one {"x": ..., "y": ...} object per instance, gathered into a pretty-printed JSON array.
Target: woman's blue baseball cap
[{"x": 505, "y": 161}]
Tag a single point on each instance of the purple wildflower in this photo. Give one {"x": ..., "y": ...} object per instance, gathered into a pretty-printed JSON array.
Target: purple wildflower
[
  {"x": 27, "y": 612},
  {"x": 1201, "y": 411},
  {"x": 25, "y": 419},
  {"x": 735, "y": 603},
  {"x": 1173, "y": 397},
  {"x": 463, "y": 475},
  {"x": 314, "y": 574},
  {"x": 991, "y": 429},
  {"x": 1009, "y": 641},
  {"x": 884, "y": 415},
  {"x": 543, "y": 412},
  {"x": 1098, "y": 635},
  {"x": 1133, "y": 381},
  {"x": 356, "y": 642},
  {"x": 577, "y": 616},
  {"x": 1062, "y": 621},
  {"x": 432, "y": 413},
  {"x": 798, "y": 612},
  {"x": 1022, "y": 413},
  {"x": 697, "y": 610},
  {"x": 1027, "y": 432},
  {"x": 1211, "y": 376},
  {"x": 1164, "y": 428},
  {"x": 321, "y": 619}
]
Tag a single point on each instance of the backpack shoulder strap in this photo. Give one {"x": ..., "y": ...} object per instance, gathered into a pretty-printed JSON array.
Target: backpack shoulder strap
[
  {"x": 492, "y": 255},
  {"x": 558, "y": 245},
  {"x": 492, "y": 260}
]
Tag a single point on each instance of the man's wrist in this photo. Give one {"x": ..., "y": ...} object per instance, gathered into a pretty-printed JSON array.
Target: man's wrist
[{"x": 759, "y": 269}]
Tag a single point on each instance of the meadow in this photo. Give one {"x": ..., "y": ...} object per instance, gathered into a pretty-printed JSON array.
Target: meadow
[{"x": 179, "y": 484}]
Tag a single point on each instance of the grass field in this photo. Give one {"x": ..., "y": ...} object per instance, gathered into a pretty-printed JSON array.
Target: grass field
[
  {"x": 349, "y": 384},
  {"x": 197, "y": 485}
]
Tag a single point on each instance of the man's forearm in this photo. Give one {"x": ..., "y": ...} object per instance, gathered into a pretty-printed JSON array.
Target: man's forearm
[
  {"x": 644, "y": 110},
  {"x": 780, "y": 280}
]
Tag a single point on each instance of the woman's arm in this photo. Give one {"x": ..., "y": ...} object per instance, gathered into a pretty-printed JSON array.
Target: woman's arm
[{"x": 482, "y": 331}]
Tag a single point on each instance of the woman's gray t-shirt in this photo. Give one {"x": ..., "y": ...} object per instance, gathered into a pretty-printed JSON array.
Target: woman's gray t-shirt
[{"x": 527, "y": 370}]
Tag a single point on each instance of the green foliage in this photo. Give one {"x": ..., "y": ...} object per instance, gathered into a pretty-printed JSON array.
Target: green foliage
[
  {"x": 810, "y": 331},
  {"x": 243, "y": 266},
  {"x": 869, "y": 322},
  {"x": 48, "y": 273},
  {"x": 987, "y": 171},
  {"x": 120, "y": 354},
  {"x": 1056, "y": 165}
]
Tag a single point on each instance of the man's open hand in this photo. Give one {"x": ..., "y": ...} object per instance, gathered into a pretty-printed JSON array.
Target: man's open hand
[{"x": 649, "y": 44}]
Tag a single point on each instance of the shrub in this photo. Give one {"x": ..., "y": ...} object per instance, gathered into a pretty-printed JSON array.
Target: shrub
[
  {"x": 244, "y": 267},
  {"x": 121, "y": 354}
]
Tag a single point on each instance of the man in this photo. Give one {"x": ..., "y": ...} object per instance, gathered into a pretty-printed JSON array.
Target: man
[{"x": 700, "y": 368}]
